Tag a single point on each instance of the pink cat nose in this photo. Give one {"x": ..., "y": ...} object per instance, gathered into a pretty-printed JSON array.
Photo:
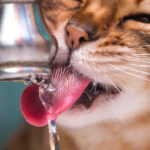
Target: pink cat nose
[{"x": 75, "y": 36}]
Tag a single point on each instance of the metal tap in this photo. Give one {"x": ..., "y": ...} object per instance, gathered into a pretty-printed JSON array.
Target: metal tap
[{"x": 26, "y": 46}]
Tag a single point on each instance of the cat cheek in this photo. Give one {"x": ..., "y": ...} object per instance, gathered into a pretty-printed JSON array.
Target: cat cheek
[{"x": 134, "y": 25}]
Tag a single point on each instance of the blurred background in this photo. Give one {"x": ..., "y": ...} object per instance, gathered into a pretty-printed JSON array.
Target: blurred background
[{"x": 10, "y": 114}]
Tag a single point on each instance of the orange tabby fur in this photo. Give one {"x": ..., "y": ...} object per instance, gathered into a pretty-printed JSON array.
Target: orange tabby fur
[{"x": 123, "y": 122}]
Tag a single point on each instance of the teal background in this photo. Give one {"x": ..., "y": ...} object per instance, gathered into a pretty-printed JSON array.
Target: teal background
[{"x": 10, "y": 114}]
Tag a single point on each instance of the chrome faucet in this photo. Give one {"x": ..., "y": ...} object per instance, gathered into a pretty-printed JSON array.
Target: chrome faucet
[{"x": 26, "y": 46}]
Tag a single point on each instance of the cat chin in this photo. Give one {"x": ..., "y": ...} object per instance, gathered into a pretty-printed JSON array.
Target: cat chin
[
  {"x": 130, "y": 103},
  {"x": 122, "y": 108}
]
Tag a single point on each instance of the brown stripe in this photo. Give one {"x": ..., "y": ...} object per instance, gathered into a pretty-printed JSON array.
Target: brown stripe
[{"x": 138, "y": 1}]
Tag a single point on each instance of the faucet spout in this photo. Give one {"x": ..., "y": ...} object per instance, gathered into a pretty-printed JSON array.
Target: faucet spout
[{"x": 27, "y": 47}]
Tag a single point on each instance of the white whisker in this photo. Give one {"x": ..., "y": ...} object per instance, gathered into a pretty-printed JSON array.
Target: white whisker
[
  {"x": 139, "y": 61},
  {"x": 131, "y": 59},
  {"x": 142, "y": 54},
  {"x": 114, "y": 85},
  {"x": 135, "y": 70},
  {"x": 137, "y": 65},
  {"x": 131, "y": 91},
  {"x": 133, "y": 75},
  {"x": 146, "y": 66}
]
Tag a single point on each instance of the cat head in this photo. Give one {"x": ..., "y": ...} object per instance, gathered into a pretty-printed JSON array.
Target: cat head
[{"x": 107, "y": 41}]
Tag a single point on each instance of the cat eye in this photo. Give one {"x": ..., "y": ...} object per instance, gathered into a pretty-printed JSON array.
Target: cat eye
[
  {"x": 81, "y": 1},
  {"x": 144, "y": 18}
]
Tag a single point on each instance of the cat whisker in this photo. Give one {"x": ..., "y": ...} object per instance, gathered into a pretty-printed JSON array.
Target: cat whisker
[
  {"x": 144, "y": 66},
  {"x": 142, "y": 54},
  {"x": 139, "y": 61},
  {"x": 135, "y": 70},
  {"x": 128, "y": 73},
  {"x": 114, "y": 85},
  {"x": 130, "y": 59},
  {"x": 131, "y": 91}
]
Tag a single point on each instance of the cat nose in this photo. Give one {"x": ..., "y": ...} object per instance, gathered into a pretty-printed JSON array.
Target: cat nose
[{"x": 75, "y": 36}]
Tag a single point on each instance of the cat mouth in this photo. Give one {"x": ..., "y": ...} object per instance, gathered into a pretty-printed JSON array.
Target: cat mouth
[
  {"x": 71, "y": 90},
  {"x": 93, "y": 91}
]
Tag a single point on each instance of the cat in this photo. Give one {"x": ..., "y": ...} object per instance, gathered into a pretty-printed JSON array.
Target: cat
[{"x": 107, "y": 41}]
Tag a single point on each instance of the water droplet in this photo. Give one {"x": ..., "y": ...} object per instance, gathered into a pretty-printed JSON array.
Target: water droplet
[
  {"x": 51, "y": 88},
  {"x": 27, "y": 82},
  {"x": 47, "y": 86},
  {"x": 44, "y": 103},
  {"x": 40, "y": 79}
]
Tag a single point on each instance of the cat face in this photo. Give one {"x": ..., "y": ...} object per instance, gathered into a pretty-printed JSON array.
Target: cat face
[{"x": 107, "y": 41}]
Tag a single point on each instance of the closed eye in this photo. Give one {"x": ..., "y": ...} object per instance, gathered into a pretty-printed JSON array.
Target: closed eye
[
  {"x": 81, "y": 1},
  {"x": 144, "y": 18}
]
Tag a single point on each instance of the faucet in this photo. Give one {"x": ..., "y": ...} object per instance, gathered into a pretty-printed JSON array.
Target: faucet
[{"x": 27, "y": 47}]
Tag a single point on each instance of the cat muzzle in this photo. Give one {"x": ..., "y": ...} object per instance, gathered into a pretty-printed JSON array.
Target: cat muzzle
[{"x": 26, "y": 45}]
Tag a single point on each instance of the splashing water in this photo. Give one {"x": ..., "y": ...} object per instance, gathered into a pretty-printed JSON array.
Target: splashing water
[
  {"x": 54, "y": 138},
  {"x": 45, "y": 90}
]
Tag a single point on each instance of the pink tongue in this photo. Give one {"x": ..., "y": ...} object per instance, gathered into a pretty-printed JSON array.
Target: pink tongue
[{"x": 69, "y": 87}]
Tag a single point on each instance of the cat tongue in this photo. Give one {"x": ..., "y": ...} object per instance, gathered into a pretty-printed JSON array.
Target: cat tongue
[{"x": 40, "y": 107}]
